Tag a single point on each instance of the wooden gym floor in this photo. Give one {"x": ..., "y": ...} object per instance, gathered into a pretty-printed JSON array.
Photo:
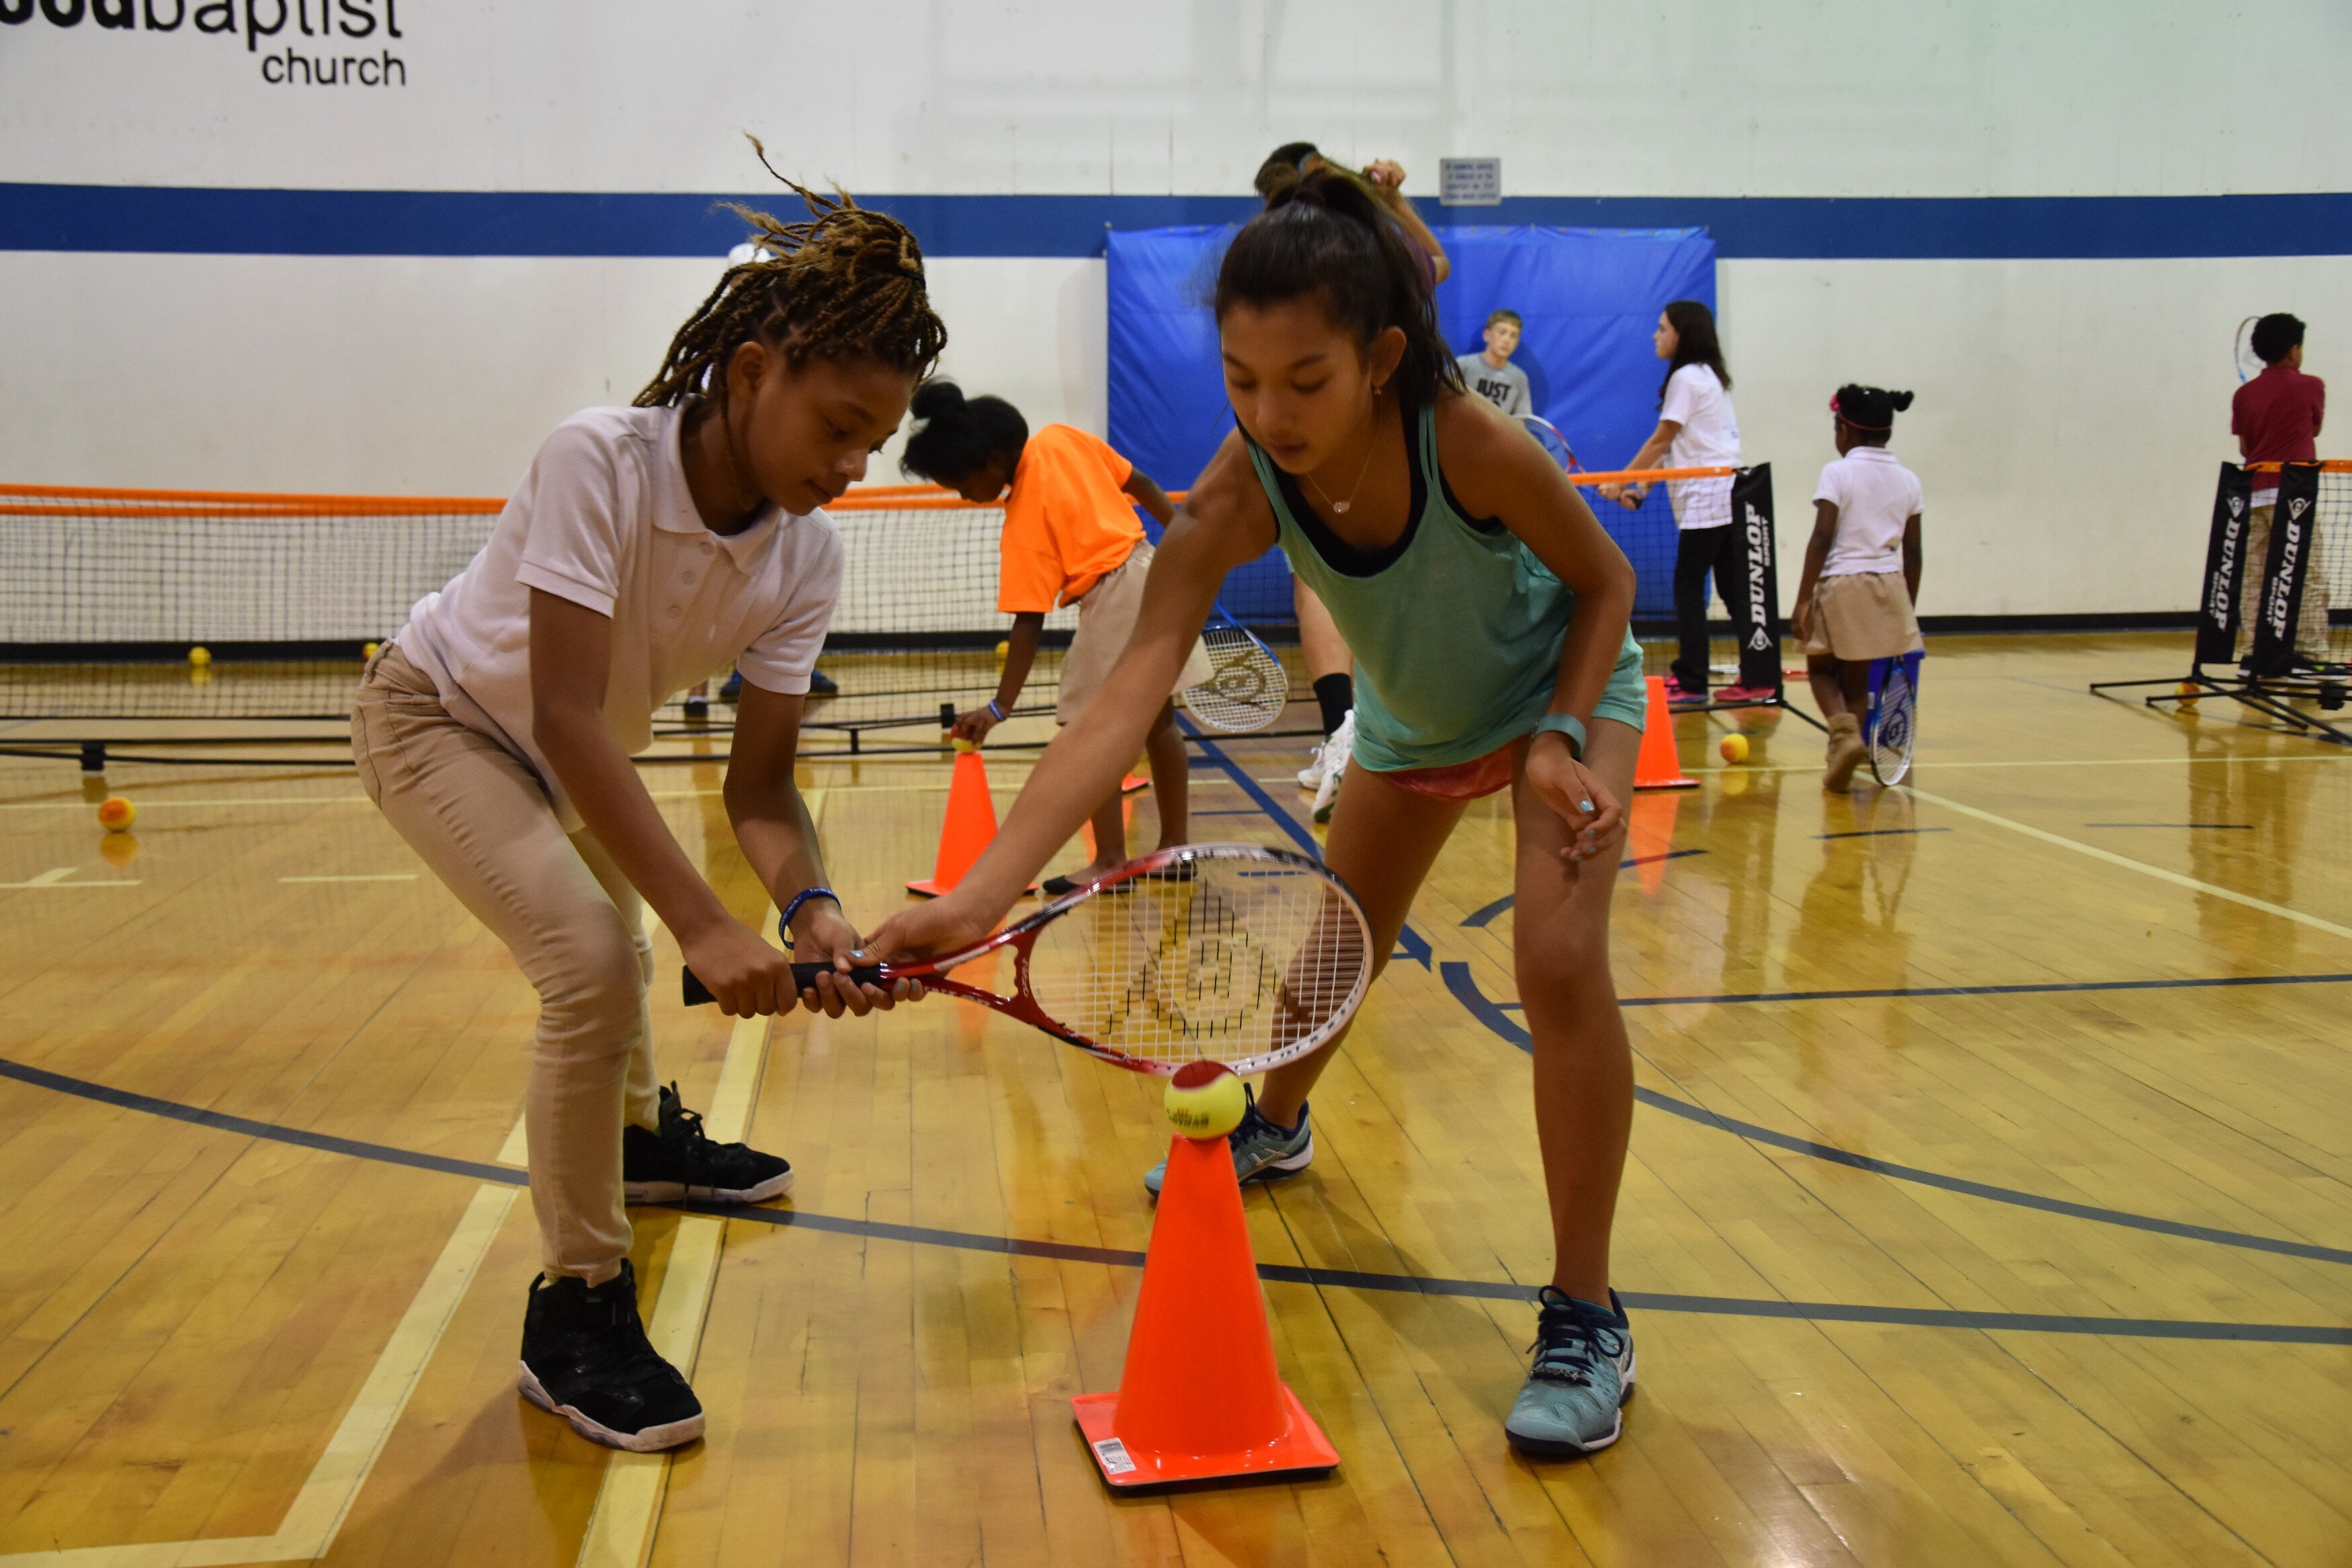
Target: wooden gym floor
[{"x": 1991, "y": 1198}]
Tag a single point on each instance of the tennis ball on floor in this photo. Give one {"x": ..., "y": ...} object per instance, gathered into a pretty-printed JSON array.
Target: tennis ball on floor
[
  {"x": 1204, "y": 1099},
  {"x": 116, "y": 814},
  {"x": 200, "y": 655},
  {"x": 1734, "y": 748}
]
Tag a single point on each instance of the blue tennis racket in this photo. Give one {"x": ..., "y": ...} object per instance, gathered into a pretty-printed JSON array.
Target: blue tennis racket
[{"x": 1891, "y": 724}]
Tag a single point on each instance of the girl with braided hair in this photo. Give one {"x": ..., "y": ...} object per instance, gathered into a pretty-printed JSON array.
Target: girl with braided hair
[
  {"x": 649, "y": 548},
  {"x": 1488, "y": 615}
]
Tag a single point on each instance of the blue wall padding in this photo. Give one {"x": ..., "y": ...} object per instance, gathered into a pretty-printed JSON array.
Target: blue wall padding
[{"x": 1589, "y": 299}]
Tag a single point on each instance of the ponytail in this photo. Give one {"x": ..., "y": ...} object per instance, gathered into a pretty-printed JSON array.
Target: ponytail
[
  {"x": 1869, "y": 411},
  {"x": 954, "y": 436},
  {"x": 1327, "y": 234}
]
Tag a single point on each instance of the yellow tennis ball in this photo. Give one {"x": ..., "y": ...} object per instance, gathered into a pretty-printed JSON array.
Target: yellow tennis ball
[
  {"x": 1004, "y": 651},
  {"x": 1204, "y": 1099},
  {"x": 1734, "y": 748},
  {"x": 200, "y": 655},
  {"x": 368, "y": 651},
  {"x": 116, "y": 814}
]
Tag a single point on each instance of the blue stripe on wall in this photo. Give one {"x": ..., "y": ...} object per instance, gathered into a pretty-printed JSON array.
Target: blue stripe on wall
[{"x": 181, "y": 219}]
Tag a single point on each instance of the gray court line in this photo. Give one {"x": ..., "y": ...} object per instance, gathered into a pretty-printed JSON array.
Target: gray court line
[
  {"x": 1481, "y": 1290},
  {"x": 1286, "y": 1273},
  {"x": 1465, "y": 990},
  {"x": 1479, "y": 917},
  {"x": 1881, "y": 833},
  {"x": 1457, "y": 979}
]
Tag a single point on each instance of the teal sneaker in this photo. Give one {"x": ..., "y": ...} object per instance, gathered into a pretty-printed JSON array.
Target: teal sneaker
[
  {"x": 1582, "y": 1375},
  {"x": 1262, "y": 1151}
]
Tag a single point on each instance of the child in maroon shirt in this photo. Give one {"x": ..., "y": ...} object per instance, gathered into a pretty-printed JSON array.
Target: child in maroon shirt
[{"x": 2276, "y": 418}]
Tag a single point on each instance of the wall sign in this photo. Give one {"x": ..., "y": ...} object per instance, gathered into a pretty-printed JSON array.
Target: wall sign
[{"x": 1470, "y": 182}]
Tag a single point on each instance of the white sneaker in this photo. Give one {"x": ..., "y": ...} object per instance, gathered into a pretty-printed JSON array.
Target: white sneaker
[
  {"x": 1336, "y": 752},
  {"x": 1336, "y": 747}
]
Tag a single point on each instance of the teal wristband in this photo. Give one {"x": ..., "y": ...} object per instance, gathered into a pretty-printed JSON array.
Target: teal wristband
[{"x": 1566, "y": 724}]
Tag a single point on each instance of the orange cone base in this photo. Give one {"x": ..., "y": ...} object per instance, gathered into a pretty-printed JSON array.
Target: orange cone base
[
  {"x": 1302, "y": 1449},
  {"x": 1659, "y": 765},
  {"x": 1133, "y": 782}
]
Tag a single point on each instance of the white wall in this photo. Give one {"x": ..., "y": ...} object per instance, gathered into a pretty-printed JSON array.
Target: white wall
[
  {"x": 2070, "y": 411},
  {"x": 1589, "y": 97}
]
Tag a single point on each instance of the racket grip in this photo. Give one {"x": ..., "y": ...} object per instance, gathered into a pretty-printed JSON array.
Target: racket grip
[{"x": 803, "y": 977}]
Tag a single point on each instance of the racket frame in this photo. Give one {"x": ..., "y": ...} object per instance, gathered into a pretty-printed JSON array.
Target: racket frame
[
  {"x": 1255, "y": 649},
  {"x": 1885, "y": 674},
  {"x": 1022, "y": 938}
]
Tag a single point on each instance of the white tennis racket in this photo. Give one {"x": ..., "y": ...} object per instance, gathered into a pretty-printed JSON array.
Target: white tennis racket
[
  {"x": 2248, "y": 363},
  {"x": 1247, "y": 687},
  {"x": 1237, "y": 954}
]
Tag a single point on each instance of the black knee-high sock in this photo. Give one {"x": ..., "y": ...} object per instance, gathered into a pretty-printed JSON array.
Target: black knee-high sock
[{"x": 1337, "y": 694}]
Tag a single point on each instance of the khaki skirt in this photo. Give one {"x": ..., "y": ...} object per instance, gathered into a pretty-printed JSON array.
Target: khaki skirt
[
  {"x": 1106, "y": 618},
  {"x": 1862, "y": 615}
]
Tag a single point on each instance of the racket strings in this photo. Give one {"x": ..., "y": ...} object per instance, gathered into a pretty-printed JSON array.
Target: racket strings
[
  {"x": 1239, "y": 963},
  {"x": 1247, "y": 685}
]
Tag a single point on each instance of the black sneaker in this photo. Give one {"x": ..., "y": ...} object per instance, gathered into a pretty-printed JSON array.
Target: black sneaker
[
  {"x": 586, "y": 1358},
  {"x": 678, "y": 1161}
]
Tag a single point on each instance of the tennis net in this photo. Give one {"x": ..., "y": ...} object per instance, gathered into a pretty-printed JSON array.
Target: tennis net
[{"x": 105, "y": 592}]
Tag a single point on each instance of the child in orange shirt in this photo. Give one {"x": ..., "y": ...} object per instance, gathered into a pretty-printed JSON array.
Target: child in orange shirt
[{"x": 1070, "y": 537}]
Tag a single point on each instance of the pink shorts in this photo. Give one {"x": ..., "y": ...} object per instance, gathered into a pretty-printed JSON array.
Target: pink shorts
[{"x": 1471, "y": 780}]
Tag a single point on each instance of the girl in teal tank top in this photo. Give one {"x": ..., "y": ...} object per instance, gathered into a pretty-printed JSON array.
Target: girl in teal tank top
[
  {"x": 1488, "y": 613},
  {"x": 1457, "y": 628}
]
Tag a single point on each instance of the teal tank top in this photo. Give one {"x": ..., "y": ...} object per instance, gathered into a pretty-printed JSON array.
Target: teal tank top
[{"x": 1457, "y": 628}]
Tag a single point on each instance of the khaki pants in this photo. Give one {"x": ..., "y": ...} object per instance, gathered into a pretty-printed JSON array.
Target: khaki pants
[
  {"x": 476, "y": 815},
  {"x": 1106, "y": 618},
  {"x": 2311, "y": 624}
]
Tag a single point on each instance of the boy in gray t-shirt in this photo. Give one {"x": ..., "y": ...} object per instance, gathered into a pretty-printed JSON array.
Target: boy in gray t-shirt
[{"x": 1491, "y": 374}]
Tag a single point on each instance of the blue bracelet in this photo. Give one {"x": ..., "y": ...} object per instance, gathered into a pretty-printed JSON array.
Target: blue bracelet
[
  {"x": 997, "y": 712},
  {"x": 1566, "y": 724},
  {"x": 784, "y": 921}
]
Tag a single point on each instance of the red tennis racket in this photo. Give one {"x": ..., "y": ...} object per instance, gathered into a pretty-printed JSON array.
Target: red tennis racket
[{"x": 1237, "y": 954}]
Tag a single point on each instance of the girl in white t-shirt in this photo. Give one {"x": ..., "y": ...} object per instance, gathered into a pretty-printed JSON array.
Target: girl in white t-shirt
[
  {"x": 1856, "y": 600},
  {"x": 1698, "y": 429},
  {"x": 647, "y": 549}
]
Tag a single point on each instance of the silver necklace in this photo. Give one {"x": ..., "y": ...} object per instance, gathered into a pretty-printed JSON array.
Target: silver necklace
[{"x": 1341, "y": 507}]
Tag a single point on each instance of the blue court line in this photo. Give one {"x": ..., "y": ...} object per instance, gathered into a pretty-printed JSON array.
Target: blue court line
[
  {"x": 923, "y": 1236},
  {"x": 1232, "y": 811},
  {"x": 1880, "y": 833},
  {"x": 1490, "y": 1013},
  {"x": 1485, "y": 916},
  {"x": 181, "y": 219},
  {"x": 2235, "y": 827},
  {"x": 1411, "y": 944}
]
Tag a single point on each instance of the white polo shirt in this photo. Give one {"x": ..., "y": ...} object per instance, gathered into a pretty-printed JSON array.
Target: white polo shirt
[
  {"x": 1709, "y": 438},
  {"x": 1874, "y": 496},
  {"x": 603, "y": 519}
]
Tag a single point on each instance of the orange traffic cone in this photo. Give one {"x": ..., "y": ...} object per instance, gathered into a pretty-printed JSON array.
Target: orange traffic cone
[
  {"x": 970, "y": 827},
  {"x": 1659, "y": 767},
  {"x": 1200, "y": 1399}
]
